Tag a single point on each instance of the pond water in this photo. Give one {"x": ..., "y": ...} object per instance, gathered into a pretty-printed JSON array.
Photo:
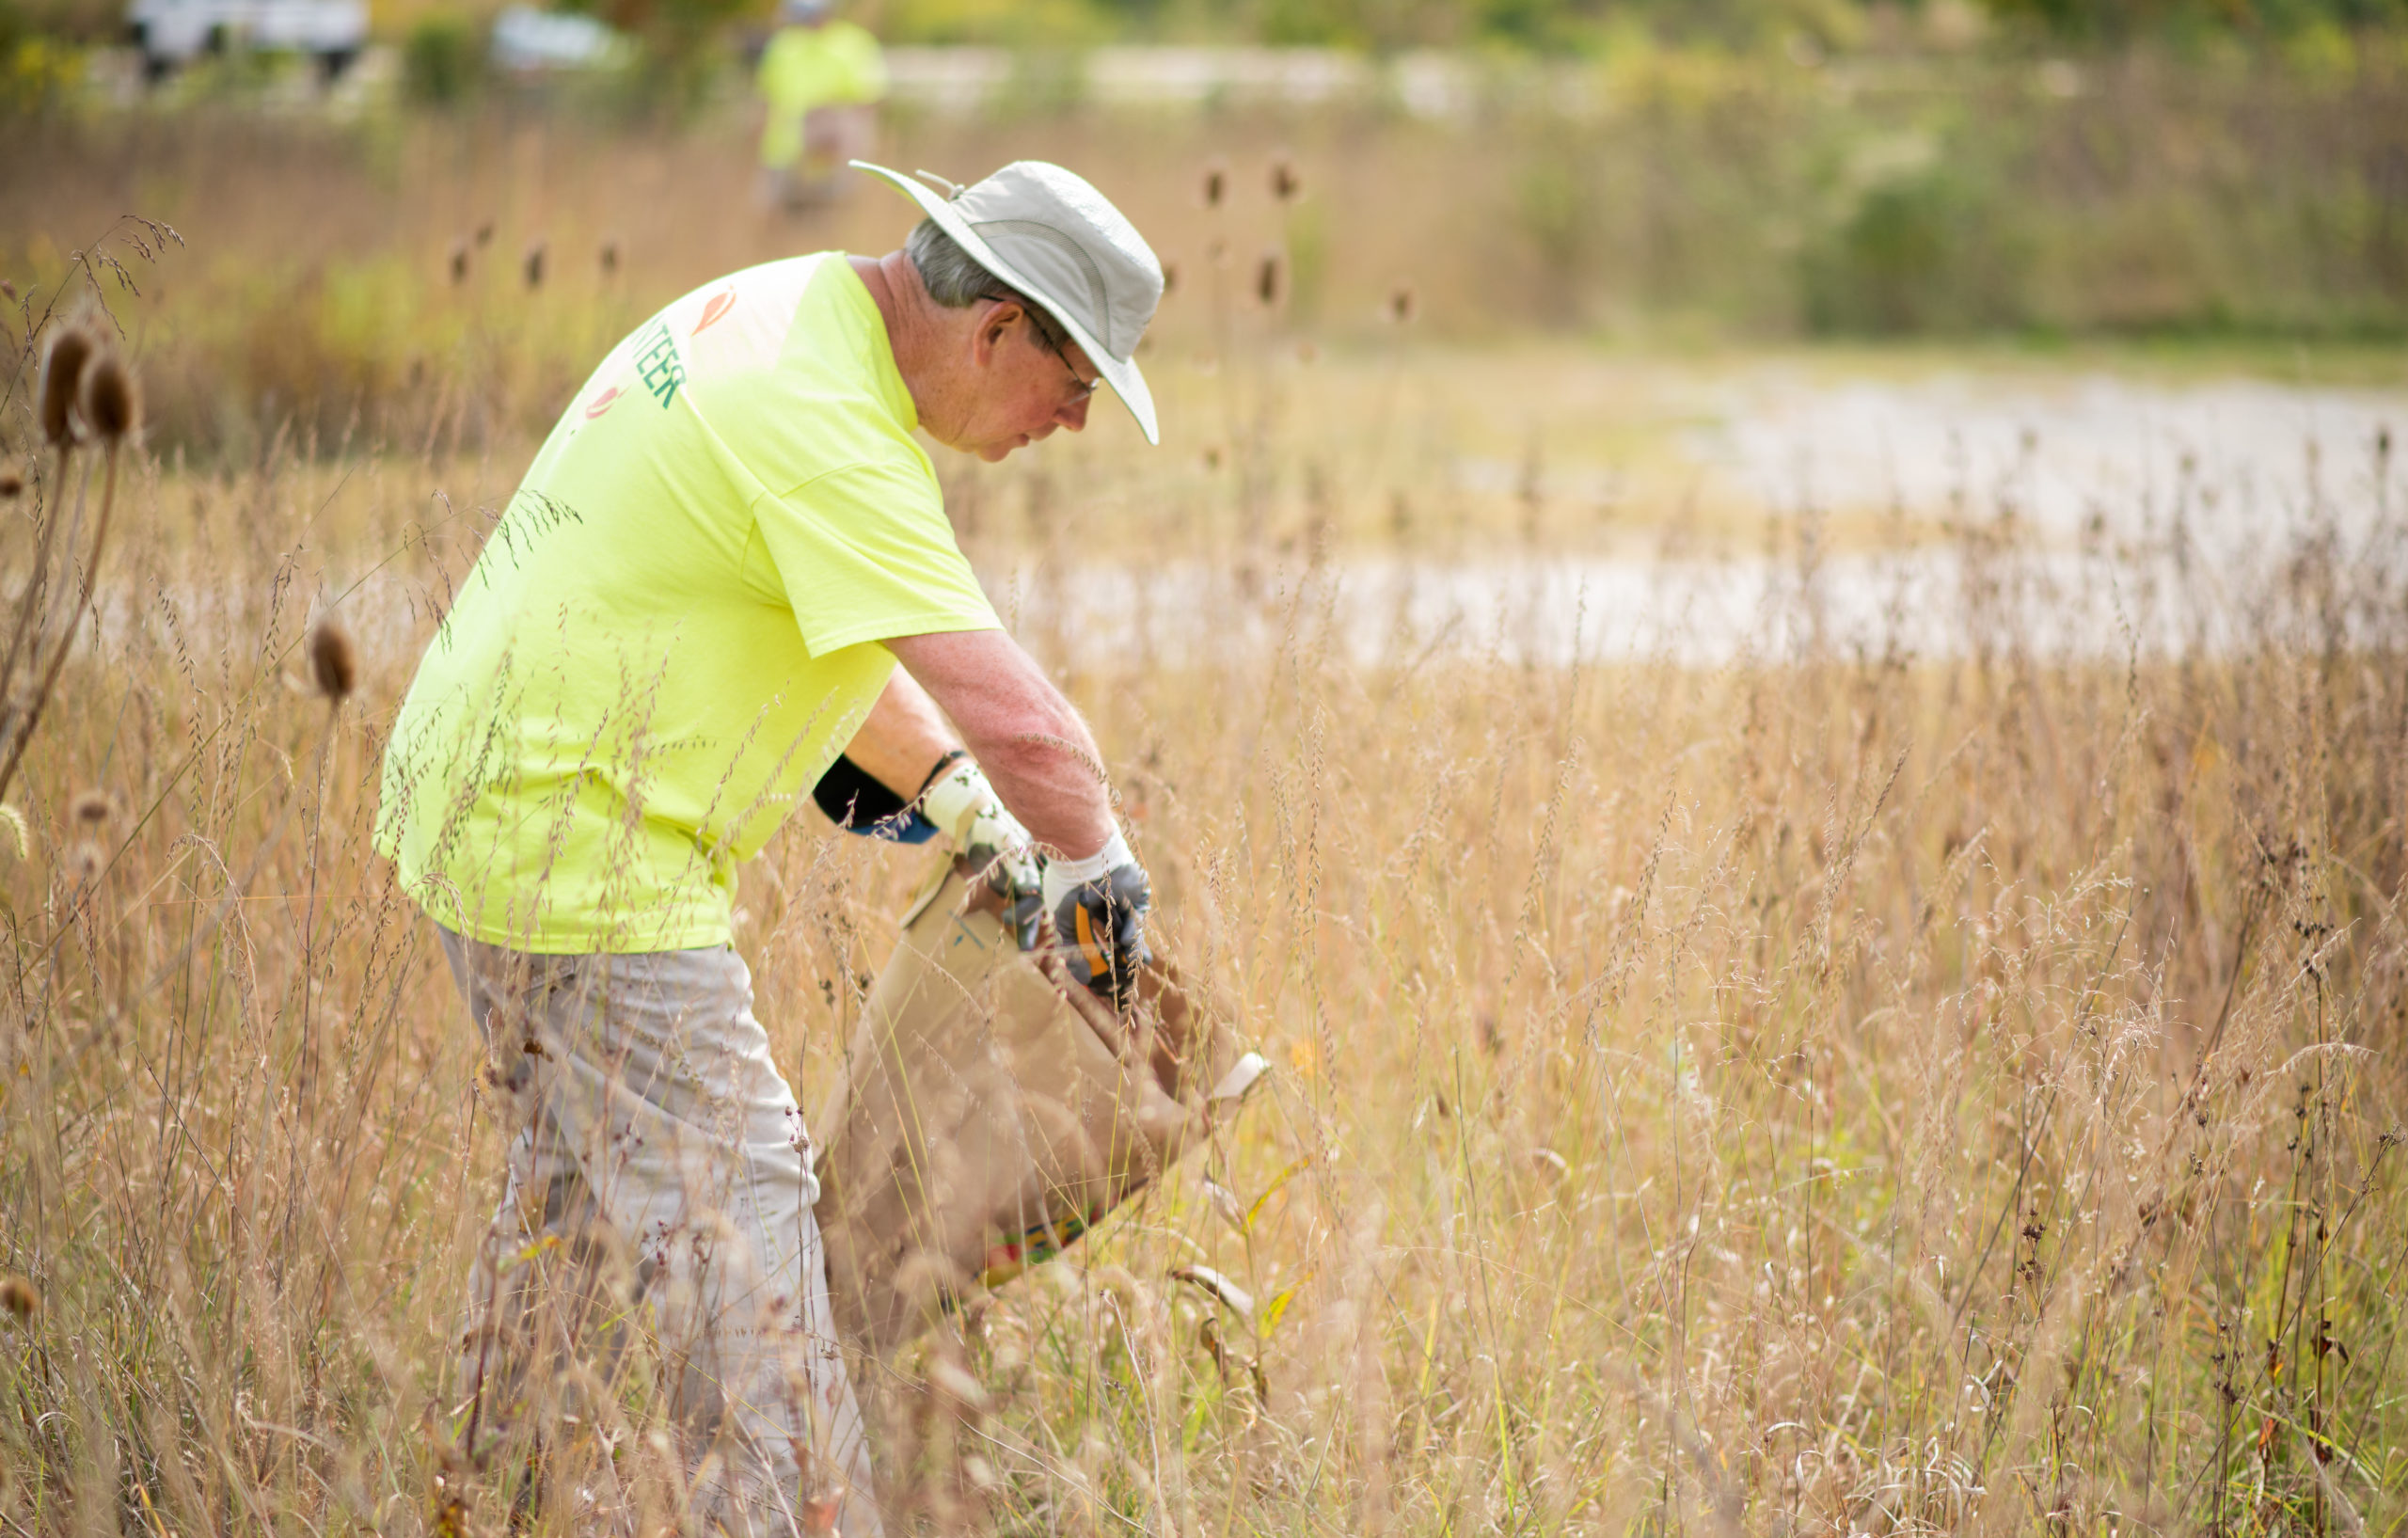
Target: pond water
[
  {"x": 2082, "y": 514},
  {"x": 2083, "y": 452}
]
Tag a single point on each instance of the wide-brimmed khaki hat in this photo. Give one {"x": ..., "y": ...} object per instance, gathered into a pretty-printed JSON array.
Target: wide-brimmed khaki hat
[{"x": 1050, "y": 235}]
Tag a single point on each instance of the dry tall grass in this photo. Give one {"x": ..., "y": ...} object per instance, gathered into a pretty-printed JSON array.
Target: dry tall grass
[{"x": 1820, "y": 1093}]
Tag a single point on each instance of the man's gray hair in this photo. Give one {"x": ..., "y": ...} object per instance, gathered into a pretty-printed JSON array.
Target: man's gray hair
[
  {"x": 954, "y": 279},
  {"x": 951, "y": 276}
]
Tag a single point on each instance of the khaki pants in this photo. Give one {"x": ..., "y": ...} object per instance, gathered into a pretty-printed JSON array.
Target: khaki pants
[{"x": 660, "y": 1187}]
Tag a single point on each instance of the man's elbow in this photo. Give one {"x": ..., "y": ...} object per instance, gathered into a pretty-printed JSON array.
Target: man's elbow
[{"x": 1039, "y": 745}]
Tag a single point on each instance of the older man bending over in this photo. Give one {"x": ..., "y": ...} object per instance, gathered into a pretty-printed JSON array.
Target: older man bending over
[{"x": 695, "y": 603}]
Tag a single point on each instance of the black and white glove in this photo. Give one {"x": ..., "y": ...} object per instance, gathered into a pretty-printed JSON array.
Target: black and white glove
[
  {"x": 966, "y": 810},
  {"x": 1099, "y": 908}
]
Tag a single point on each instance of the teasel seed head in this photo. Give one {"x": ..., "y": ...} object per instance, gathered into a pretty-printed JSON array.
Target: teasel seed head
[
  {"x": 1267, "y": 275},
  {"x": 92, "y": 808},
  {"x": 85, "y": 862},
  {"x": 62, "y": 372},
  {"x": 12, "y": 482},
  {"x": 485, "y": 233},
  {"x": 7, "y": 291},
  {"x": 1216, "y": 184},
  {"x": 1286, "y": 185},
  {"x": 17, "y": 1296},
  {"x": 332, "y": 661},
  {"x": 1401, "y": 304},
  {"x": 112, "y": 401},
  {"x": 459, "y": 261},
  {"x": 610, "y": 258},
  {"x": 535, "y": 265}
]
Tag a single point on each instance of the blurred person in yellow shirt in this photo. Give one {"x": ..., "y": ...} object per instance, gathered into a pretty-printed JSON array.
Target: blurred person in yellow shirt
[{"x": 820, "y": 81}]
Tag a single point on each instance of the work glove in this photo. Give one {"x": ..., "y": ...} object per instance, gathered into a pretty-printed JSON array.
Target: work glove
[
  {"x": 966, "y": 810},
  {"x": 1099, "y": 907}
]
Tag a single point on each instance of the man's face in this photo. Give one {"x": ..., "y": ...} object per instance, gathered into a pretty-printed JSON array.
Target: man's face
[{"x": 1027, "y": 387}]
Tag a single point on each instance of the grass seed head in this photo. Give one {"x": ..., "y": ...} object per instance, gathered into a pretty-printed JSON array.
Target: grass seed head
[
  {"x": 1216, "y": 184},
  {"x": 460, "y": 261},
  {"x": 535, "y": 265},
  {"x": 7, "y": 291},
  {"x": 92, "y": 808},
  {"x": 19, "y": 1297},
  {"x": 62, "y": 372},
  {"x": 954, "y": 1383},
  {"x": 112, "y": 401},
  {"x": 1401, "y": 304},
  {"x": 610, "y": 258},
  {"x": 484, "y": 234},
  {"x": 14, "y": 835},
  {"x": 1268, "y": 274},
  {"x": 12, "y": 483},
  {"x": 85, "y": 862},
  {"x": 333, "y": 662}
]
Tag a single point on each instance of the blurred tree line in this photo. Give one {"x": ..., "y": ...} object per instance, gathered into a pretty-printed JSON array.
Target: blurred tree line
[
  {"x": 1593, "y": 25},
  {"x": 1552, "y": 27},
  {"x": 1768, "y": 167}
]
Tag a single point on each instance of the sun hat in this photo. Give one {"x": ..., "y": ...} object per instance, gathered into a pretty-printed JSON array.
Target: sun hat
[{"x": 1052, "y": 236}]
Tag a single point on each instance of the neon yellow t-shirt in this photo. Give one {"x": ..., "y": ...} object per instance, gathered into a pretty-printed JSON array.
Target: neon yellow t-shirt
[
  {"x": 834, "y": 64},
  {"x": 675, "y": 627}
]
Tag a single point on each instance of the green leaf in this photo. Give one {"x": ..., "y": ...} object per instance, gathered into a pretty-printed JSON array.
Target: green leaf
[
  {"x": 1277, "y": 1306},
  {"x": 1273, "y": 1189}
]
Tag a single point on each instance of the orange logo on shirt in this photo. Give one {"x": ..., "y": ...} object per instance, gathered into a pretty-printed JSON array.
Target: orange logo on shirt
[
  {"x": 721, "y": 304},
  {"x": 601, "y": 402}
]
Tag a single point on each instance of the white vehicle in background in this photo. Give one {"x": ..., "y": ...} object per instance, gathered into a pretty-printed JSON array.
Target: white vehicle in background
[
  {"x": 526, "y": 40},
  {"x": 174, "y": 32}
]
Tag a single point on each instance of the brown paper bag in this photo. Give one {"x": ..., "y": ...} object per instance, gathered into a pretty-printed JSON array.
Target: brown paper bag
[{"x": 991, "y": 1112}]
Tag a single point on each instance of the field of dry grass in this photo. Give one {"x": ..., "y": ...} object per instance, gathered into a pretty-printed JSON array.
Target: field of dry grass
[{"x": 1826, "y": 1090}]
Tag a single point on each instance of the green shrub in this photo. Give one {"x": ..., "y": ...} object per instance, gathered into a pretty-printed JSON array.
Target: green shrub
[
  {"x": 443, "y": 58},
  {"x": 1930, "y": 251},
  {"x": 37, "y": 71}
]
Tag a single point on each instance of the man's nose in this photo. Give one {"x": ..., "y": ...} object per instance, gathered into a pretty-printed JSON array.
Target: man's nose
[{"x": 1074, "y": 416}]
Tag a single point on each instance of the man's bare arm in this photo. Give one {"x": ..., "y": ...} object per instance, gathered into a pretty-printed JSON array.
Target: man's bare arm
[
  {"x": 899, "y": 742},
  {"x": 1037, "y": 752}
]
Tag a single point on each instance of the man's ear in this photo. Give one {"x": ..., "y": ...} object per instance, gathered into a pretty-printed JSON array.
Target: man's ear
[{"x": 993, "y": 328}]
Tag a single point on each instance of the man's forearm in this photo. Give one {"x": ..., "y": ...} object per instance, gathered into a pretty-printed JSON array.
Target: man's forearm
[
  {"x": 1037, "y": 752},
  {"x": 1052, "y": 781}
]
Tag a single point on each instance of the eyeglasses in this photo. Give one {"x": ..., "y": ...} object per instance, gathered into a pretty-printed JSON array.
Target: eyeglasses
[
  {"x": 1054, "y": 345},
  {"x": 1045, "y": 332}
]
